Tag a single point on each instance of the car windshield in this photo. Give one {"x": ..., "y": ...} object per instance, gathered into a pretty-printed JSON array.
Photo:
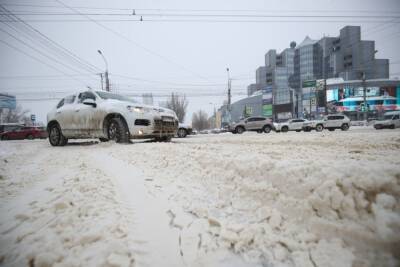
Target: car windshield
[
  {"x": 387, "y": 117},
  {"x": 106, "y": 95}
]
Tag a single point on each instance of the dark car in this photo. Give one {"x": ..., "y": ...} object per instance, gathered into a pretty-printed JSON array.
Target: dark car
[{"x": 16, "y": 132}]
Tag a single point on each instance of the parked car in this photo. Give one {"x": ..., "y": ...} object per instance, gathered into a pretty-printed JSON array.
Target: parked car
[
  {"x": 290, "y": 125},
  {"x": 339, "y": 121},
  {"x": 184, "y": 130},
  {"x": 9, "y": 126},
  {"x": 317, "y": 125},
  {"x": 390, "y": 120},
  {"x": 108, "y": 116},
  {"x": 258, "y": 124},
  {"x": 22, "y": 132}
]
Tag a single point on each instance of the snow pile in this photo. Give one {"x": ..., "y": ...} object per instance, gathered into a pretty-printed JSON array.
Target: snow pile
[
  {"x": 329, "y": 199},
  {"x": 71, "y": 217},
  {"x": 294, "y": 199}
]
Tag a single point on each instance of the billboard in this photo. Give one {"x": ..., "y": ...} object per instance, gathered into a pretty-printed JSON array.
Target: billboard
[
  {"x": 309, "y": 97},
  {"x": 352, "y": 98},
  {"x": 7, "y": 101},
  {"x": 267, "y": 101}
]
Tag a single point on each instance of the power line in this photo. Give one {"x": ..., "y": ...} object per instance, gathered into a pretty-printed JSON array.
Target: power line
[
  {"x": 48, "y": 43},
  {"x": 37, "y": 59},
  {"x": 141, "y": 20},
  {"x": 130, "y": 41},
  {"x": 205, "y": 10},
  {"x": 187, "y": 15}
]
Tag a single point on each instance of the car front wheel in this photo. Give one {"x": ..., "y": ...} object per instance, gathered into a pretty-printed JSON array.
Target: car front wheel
[
  {"x": 319, "y": 128},
  {"x": 117, "y": 131},
  {"x": 284, "y": 129},
  {"x": 266, "y": 129},
  {"x": 56, "y": 138},
  {"x": 345, "y": 127},
  {"x": 239, "y": 130},
  {"x": 182, "y": 133}
]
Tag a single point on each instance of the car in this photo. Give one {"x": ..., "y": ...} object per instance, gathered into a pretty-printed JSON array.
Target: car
[
  {"x": 317, "y": 125},
  {"x": 184, "y": 130},
  {"x": 390, "y": 120},
  {"x": 22, "y": 132},
  {"x": 258, "y": 124},
  {"x": 290, "y": 125},
  {"x": 336, "y": 121},
  {"x": 9, "y": 126},
  {"x": 108, "y": 116}
]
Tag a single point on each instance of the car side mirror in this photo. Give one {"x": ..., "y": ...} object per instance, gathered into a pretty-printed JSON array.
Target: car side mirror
[{"x": 89, "y": 102}]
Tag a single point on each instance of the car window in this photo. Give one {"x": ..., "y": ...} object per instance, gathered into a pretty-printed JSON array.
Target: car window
[
  {"x": 61, "y": 103},
  {"x": 69, "y": 99},
  {"x": 250, "y": 119},
  {"x": 86, "y": 95},
  {"x": 339, "y": 117},
  {"x": 331, "y": 118},
  {"x": 259, "y": 119},
  {"x": 396, "y": 117}
]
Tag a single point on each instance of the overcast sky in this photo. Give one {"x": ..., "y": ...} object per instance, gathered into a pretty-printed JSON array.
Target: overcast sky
[{"x": 181, "y": 56}]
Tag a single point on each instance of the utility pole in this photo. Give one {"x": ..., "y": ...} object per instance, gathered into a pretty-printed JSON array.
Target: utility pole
[
  {"x": 101, "y": 77},
  {"x": 364, "y": 96},
  {"x": 229, "y": 90},
  {"x": 106, "y": 73}
]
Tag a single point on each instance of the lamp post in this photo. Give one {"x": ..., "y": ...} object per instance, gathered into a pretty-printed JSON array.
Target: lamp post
[{"x": 106, "y": 73}]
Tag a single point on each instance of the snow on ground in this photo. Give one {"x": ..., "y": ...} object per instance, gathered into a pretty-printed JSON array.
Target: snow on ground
[{"x": 294, "y": 199}]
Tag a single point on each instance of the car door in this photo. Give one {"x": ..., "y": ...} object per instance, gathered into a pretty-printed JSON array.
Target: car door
[
  {"x": 296, "y": 124},
  {"x": 16, "y": 133},
  {"x": 63, "y": 115},
  {"x": 249, "y": 123},
  {"x": 86, "y": 123},
  {"x": 330, "y": 121}
]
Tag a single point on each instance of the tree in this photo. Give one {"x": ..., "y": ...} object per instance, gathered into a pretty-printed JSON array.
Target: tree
[
  {"x": 179, "y": 105},
  {"x": 200, "y": 120},
  {"x": 17, "y": 115}
]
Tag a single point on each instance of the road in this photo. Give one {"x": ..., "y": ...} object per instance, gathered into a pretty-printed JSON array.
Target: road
[{"x": 278, "y": 199}]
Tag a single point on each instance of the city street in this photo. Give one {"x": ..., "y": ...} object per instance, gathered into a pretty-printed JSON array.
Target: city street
[{"x": 279, "y": 199}]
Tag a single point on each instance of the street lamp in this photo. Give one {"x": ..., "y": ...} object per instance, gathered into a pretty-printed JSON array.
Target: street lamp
[{"x": 106, "y": 73}]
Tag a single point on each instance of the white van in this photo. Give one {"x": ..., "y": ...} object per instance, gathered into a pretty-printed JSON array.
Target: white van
[{"x": 390, "y": 120}]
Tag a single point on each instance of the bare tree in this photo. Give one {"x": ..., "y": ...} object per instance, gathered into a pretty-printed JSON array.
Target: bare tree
[
  {"x": 200, "y": 120},
  {"x": 16, "y": 115},
  {"x": 179, "y": 105}
]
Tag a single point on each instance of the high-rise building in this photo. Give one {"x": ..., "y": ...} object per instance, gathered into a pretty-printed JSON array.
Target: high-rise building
[{"x": 345, "y": 56}]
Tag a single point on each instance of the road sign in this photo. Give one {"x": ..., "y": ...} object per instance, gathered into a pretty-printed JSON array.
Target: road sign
[{"x": 33, "y": 117}]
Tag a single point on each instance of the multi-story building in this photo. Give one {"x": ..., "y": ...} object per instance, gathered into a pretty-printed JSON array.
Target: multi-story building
[{"x": 345, "y": 56}]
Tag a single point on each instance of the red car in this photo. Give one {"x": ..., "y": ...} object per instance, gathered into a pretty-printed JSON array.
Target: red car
[{"x": 22, "y": 132}]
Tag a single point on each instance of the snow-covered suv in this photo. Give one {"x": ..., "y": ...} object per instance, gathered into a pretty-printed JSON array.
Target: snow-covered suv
[
  {"x": 108, "y": 116},
  {"x": 259, "y": 124}
]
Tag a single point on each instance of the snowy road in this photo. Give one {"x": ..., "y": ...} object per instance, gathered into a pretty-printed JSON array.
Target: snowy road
[{"x": 294, "y": 199}]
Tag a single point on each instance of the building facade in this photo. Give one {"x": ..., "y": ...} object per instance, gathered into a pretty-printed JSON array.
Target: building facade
[{"x": 285, "y": 74}]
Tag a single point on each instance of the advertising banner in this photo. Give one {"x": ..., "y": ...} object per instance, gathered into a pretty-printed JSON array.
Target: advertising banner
[
  {"x": 352, "y": 99},
  {"x": 267, "y": 101}
]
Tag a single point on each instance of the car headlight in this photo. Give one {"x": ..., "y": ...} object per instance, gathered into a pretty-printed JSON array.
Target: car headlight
[{"x": 135, "y": 109}]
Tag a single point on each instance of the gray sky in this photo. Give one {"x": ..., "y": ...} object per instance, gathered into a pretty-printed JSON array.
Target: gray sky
[{"x": 185, "y": 57}]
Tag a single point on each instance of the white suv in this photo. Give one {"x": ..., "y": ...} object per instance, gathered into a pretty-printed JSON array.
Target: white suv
[
  {"x": 390, "y": 120},
  {"x": 290, "y": 125},
  {"x": 108, "y": 116},
  {"x": 336, "y": 121}
]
